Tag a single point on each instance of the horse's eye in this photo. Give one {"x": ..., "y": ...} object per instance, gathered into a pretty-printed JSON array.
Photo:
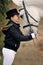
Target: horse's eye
[{"x": 21, "y": 16}]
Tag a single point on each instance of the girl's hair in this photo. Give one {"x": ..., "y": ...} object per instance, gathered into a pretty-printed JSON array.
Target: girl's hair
[{"x": 6, "y": 27}]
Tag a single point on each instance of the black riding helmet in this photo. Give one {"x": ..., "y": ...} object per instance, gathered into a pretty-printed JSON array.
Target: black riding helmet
[{"x": 11, "y": 12}]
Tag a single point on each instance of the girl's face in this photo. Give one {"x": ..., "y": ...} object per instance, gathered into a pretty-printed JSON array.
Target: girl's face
[{"x": 15, "y": 18}]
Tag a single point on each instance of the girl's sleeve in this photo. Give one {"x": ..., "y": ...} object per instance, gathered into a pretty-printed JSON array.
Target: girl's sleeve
[{"x": 18, "y": 36}]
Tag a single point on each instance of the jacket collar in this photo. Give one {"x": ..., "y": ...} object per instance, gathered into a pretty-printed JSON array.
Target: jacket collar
[{"x": 15, "y": 24}]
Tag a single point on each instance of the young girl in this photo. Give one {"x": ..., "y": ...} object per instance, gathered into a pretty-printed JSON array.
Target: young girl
[{"x": 13, "y": 37}]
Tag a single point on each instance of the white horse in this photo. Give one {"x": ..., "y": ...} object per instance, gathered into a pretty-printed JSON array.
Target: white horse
[{"x": 34, "y": 13}]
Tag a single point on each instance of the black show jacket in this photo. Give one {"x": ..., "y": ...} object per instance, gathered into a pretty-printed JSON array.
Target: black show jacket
[{"x": 13, "y": 36}]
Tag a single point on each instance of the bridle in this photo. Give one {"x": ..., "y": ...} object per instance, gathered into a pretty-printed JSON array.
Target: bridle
[{"x": 27, "y": 13}]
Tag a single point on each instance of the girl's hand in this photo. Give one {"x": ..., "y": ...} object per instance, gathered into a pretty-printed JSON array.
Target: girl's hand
[{"x": 33, "y": 35}]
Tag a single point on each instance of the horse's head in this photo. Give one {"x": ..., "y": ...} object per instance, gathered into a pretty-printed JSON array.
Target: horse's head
[{"x": 32, "y": 11}]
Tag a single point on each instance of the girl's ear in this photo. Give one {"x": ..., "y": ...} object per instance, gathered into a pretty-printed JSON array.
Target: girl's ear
[{"x": 11, "y": 18}]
